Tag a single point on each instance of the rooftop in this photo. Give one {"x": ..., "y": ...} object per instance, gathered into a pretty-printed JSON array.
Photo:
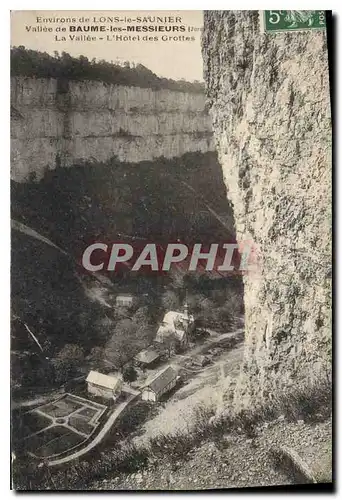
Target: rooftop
[
  {"x": 98, "y": 378},
  {"x": 125, "y": 294},
  {"x": 164, "y": 330},
  {"x": 162, "y": 379},
  {"x": 147, "y": 356},
  {"x": 175, "y": 322},
  {"x": 173, "y": 316}
]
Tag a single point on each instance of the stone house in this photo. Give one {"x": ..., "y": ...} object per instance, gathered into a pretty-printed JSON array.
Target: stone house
[
  {"x": 105, "y": 386},
  {"x": 160, "y": 384},
  {"x": 124, "y": 300},
  {"x": 147, "y": 358},
  {"x": 178, "y": 323}
]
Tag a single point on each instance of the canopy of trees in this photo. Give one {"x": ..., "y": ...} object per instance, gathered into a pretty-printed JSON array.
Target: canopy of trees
[
  {"x": 25, "y": 62},
  {"x": 129, "y": 336}
]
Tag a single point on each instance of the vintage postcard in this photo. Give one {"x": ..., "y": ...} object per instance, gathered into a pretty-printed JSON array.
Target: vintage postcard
[{"x": 170, "y": 250}]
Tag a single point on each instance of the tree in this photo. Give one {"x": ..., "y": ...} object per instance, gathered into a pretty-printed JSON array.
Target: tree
[
  {"x": 206, "y": 312},
  {"x": 47, "y": 346},
  {"x": 63, "y": 370},
  {"x": 71, "y": 352},
  {"x": 170, "y": 300},
  {"x": 141, "y": 316},
  {"x": 169, "y": 342},
  {"x": 104, "y": 328},
  {"x": 27, "y": 62},
  {"x": 177, "y": 277},
  {"x": 96, "y": 354},
  {"x": 118, "y": 352},
  {"x": 118, "y": 349},
  {"x": 195, "y": 302},
  {"x": 145, "y": 331},
  {"x": 130, "y": 374}
]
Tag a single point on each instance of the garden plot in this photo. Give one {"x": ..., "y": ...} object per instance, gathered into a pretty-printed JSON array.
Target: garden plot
[{"x": 54, "y": 428}]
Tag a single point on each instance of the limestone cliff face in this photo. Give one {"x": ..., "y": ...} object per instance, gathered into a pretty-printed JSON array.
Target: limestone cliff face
[
  {"x": 57, "y": 123},
  {"x": 269, "y": 102}
]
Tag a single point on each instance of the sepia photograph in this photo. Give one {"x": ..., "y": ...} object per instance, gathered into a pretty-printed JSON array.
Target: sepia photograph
[{"x": 171, "y": 250}]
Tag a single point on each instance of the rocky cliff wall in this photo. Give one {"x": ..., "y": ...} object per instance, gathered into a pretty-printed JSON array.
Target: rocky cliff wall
[
  {"x": 58, "y": 123},
  {"x": 269, "y": 101}
]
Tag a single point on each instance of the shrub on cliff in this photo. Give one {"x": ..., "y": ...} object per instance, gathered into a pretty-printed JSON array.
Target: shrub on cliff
[{"x": 25, "y": 62}]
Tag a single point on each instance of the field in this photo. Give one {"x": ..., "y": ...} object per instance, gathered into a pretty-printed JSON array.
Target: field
[{"x": 56, "y": 427}]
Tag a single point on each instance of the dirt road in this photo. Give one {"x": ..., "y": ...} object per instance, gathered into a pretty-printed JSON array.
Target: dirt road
[
  {"x": 180, "y": 359},
  {"x": 206, "y": 388}
]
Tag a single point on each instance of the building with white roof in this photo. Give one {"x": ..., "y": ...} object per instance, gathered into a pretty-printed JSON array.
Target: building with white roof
[
  {"x": 105, "y": 386},
  {"x": 178, "y": 323}
]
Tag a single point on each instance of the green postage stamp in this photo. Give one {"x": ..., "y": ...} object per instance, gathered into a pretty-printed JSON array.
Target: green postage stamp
[{"x": 292, "y": 20}]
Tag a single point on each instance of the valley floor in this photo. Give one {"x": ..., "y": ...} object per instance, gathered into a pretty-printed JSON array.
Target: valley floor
[{"x": 171, "y": 452}]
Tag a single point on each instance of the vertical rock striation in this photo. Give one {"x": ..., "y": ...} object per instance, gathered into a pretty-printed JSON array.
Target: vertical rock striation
[
  {"x": 270, "y": 106},
  {"x": 58, "y": 123}
]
